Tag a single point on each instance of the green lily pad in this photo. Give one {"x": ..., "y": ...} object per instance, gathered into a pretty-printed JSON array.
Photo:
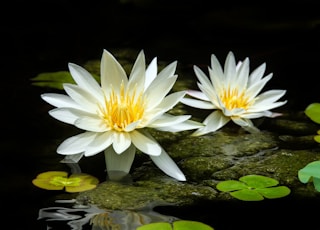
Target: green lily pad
[
  {"x": 253, "y": 188},
  {"x": 230, "y": 185},
  {"x": 313, "y": 112},
  {"x": 156, "y": 226},
  {"x": 274, "y": 192},
  {"x": 247, "y": 195},
  {"x": 52, "y": 79},
  {"x": 177, "y": 225},
  {"x": 311, "y": 172},
  {"x": 258, "y": 181},
  {"x": 190, "y": 225},
  {"x": 59, "y": 180},
  {"x": 55, "y": 79},
  {"x": 317, "y": 137}
]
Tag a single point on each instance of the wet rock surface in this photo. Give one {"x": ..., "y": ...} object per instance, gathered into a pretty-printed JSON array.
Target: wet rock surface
[{"x": 280, "y": 150}]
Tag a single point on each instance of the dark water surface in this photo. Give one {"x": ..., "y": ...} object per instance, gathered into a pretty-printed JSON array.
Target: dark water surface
[{"x": 44, "y": 37}]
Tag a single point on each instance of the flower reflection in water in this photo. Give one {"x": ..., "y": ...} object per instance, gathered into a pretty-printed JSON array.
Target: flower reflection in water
[{"x": 80, "y": 216}]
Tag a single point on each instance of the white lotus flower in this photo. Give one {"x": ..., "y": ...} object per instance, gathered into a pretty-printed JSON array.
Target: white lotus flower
[
  {"x": 233, "y": 94},
  {"x": 115, "y": 114}
]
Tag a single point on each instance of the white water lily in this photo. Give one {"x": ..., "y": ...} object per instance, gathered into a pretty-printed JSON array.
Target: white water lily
[
  {"x": 115, "y": 113},
  {"x": 233, "y": 94}
]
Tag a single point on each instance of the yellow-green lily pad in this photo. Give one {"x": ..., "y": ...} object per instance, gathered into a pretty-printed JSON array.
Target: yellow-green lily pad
[
  {"x": 59, "y": 180},
  {"x": 176, "y": 225},
  {"x": 313, "y": 112}
]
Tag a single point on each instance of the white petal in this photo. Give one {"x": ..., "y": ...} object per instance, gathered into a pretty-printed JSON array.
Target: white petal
[
  {"x": 82, "y": 97},
  {"x": 151, "y": 73},
  {"x": 85, "y": 80},
  {"x": 71, "y": 159},
  {"x": 158, "y": 89},
  {"x": 171, "y": 100},
  {"x": 76, "y": 144},
  {"x": 216, "y": 71},
  {"x": 266, "y": 101},
  {"x": 197, "y": 103},
  {"x": 270, "y": 96},
  {"x": 169, "y": 70},
  {"x": 213, "y": 122},
  {"x": 130, "y": 127},
  {"x": 168, "y": 120},
  {"x": 242, "y": 76},
  {"x": 230, "y": 68},
  {"x": 112, "y": 73},
  {"x": 265, "y": 113},
  {"x": 65, "y": 115},
  {"x": 202, "y": 77},
  {"x": 186, "y": 125},
  {"x": 59, "y": 100},
  {"x": 121, "y": 141},
  {"x": 100, "y": 143},
  {"x": 145, "y": 144},
  {"x": 245, "y": 124},
  {"x": 216, "y": 74},
  {"x": 119, "y": 162},
  {"x": 257, "y": 86},
  {"x": 233, "y": 112},
  {"x": 242, "y": 122},
  {"x": 263, "y": 107},
  {"x": 257, "y": 74},
  {"x": 137, "y": 76},
  {"x": 197, "y": 94},
  {"x": 91, "y": 123},
  {"x": 168, "y": 166}
]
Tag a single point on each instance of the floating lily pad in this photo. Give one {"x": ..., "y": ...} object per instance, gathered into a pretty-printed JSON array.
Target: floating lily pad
[
  {"x": 59, "y": 180},
  {"x": 311, "y": 172},
  {"x": 253, "y": 188},
  {"x": 52, "y": 79},
  {"x": 313, "y": 112},
  {"x": 55, "y": 79},
  {"x": 177, "y": 225}
]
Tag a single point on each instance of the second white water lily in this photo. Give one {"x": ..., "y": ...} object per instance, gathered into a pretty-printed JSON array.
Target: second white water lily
[
  {"x": 233, "y": 94},
  {"x": 115, "y": 113}
]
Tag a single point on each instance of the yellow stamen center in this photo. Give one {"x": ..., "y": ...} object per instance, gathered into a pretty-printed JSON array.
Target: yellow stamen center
[
  {"x": 232, "y": 99},
  {"x": 122, "y": 109}
]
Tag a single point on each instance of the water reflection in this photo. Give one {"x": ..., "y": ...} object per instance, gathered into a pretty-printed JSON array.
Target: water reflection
[{"x": 82, "y": 215}]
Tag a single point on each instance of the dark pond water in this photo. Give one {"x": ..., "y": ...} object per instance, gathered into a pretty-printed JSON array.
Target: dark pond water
[{"x": 45, "y": 37}]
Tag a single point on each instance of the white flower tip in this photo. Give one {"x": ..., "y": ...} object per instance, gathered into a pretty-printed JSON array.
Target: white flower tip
[
  {"x": 181, "y": 177},
  {"x": 72, "y": 65},
  {"x": 273, "y": 115}
]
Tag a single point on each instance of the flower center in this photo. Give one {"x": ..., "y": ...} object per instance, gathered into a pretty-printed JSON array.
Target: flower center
[
  {"x": 232, "y": 99},
  {"x": 121, "y": 109}
]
